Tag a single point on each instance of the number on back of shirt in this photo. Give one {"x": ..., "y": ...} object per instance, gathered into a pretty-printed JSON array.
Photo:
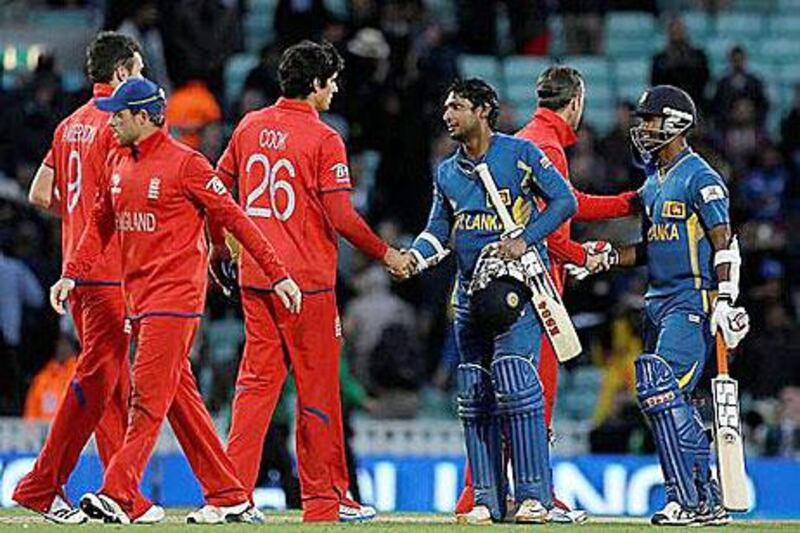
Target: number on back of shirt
[
  {"x": 74, "y": 179},
  {"x": 278, "y": 194}
]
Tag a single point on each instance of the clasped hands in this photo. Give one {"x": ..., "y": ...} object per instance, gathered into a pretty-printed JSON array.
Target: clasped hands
[{"x": 600, "y": 257}]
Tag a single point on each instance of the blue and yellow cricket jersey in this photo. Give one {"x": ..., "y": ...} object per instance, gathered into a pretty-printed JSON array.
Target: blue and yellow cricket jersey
[
  {"x": 682, "y": 202},
  {"x": 462, "y": 216}
]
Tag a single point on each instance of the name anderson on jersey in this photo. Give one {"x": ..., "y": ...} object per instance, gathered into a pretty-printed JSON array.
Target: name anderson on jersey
[
  {"x": 139, "y": 221},
  {"x": 79, "y": 133}
]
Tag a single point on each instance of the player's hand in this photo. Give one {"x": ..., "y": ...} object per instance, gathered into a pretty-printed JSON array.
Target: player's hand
[
  {"x": 578, "y": 272},
  {"x": 732, "y": 322},
  {"x": 290, "y": 294},
  {"x": 224, "y": 271},
  {"x": 600, "y": 256},
  {"x": 59, "y": 293},
  {"x": 511, "y": 248},
  {"x": 398, "y": 263}
]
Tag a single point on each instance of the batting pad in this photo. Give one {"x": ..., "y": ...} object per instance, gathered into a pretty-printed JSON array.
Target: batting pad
[{"x": 520, "y": 401}]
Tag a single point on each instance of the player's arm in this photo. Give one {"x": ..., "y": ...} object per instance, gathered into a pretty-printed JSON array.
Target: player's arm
[
  {"x": 42, "y": 191},
  {"x": 545, "y": 181},
  {"x": 96, "y": 235},
  {"x": 202, "y": 185},
  {"x": 334, "y": 186},
  {"x": 430, "y": 246},
  {"x": 227, "y": 171},
  {"x": 594, "y": 207},
  {"x": 711, "y": 202}
]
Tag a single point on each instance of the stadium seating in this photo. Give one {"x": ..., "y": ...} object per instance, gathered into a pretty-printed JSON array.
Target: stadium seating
[{"x": 236, "y": 70}]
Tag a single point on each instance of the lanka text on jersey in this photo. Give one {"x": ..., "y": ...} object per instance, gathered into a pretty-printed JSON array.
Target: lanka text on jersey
[{"x": 682, "y": 203}]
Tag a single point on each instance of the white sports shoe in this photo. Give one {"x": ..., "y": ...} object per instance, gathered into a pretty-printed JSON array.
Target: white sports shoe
[
  {"x": 353, "y": 511},
  {"x": 558, "y": 515},
  {"x": 673, "y": 514},
  {"x": 211, "y": 514},
  {"x": 531, "y": 512},
  {"x": 478, "y": 516},
  {"x": 61, "y": 512},
  {"x": 153, "y": 515},
  {"x": 101, "y": 507}
]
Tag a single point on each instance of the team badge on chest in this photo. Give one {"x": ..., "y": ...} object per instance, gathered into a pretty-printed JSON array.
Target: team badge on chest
[{"x": 154, "y": 188}]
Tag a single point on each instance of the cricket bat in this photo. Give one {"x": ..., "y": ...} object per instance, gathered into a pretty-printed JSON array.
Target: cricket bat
[
  {"x": 728, "y": 441},
  {"x": 546, "y": 300}
]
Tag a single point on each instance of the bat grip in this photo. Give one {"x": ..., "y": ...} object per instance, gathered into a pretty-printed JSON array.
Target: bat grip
[{"x": 722, "y": 355}]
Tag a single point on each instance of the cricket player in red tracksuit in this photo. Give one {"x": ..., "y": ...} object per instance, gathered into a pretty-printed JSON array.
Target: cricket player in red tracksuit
[
  {"x": 156, "y": 199},
  {"x": 97, "y": 399},
  {"x": 293, "y": 179},
  {"x": 553, "y": 128}
]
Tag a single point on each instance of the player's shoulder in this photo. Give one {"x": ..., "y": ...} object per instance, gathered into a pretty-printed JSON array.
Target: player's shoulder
[{"x": 697, "y": 170}]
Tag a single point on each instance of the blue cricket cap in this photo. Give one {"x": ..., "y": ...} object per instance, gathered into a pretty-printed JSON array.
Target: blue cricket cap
[{"x": 134, "y": 94}]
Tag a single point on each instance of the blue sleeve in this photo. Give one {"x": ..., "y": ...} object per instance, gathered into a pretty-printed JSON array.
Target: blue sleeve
[
  {"x": 548, "y": 183},
  {"x": 710, "y": 199},
  {"x": 430, "y": 245}
]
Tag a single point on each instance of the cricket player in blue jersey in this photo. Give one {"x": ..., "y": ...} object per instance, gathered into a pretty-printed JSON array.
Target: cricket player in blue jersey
[
  {"x": 497, "y": 331},
  {"x": 693, "y": 267}
]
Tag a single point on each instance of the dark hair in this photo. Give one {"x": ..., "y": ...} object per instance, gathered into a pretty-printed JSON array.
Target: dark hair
[
  {"x": 105, "y": 54},
  {"x": 557, "y": 85},
  {"x": 305, "y": 62},
  {"x": 479, "y": 93}
]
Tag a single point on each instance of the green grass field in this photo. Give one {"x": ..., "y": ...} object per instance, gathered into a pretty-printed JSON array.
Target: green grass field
[{"x": 20, "y": 520}]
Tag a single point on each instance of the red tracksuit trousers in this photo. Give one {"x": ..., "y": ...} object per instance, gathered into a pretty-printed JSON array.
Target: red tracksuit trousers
[
  {"x": 96, "y": 401},
  {"x": 548, "y": 374},
  {"x": 308, "y": 345},
  {"x": 164, "y": 387}
]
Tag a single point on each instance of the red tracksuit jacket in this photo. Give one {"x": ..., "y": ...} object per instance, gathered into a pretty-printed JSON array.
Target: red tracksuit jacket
[{"x": 156, "y": 196}]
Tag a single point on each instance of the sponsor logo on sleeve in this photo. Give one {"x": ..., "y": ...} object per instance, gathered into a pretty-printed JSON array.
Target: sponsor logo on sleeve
[
  {"x": 545, "y": 162},
  {"x": 115, "y": 183},
  {"x": 712, "y": 192},
  {"x": 341, "y": 173},
  {"x": 215, "y": 184}
]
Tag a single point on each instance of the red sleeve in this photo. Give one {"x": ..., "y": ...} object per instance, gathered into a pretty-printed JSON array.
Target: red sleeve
[
  {"x": 351, "y": 226},
  {"x": 592, "y": 207},
  {"x": 560, "y": 246},
  {"x": 333, "y": 173},
  {"x": 203, "y": 186},
  {"x": 228, "y": 164},
  {"x": 97, "y": 233}
]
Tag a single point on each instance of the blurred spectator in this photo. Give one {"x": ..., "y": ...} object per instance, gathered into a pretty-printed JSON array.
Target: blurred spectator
[
  {"x": 144, "y": 24},
  {"x": 681, "y": 64},
  {"x": 264, "y": 77},
  {"x": 586, "y": 164},
  {"x": 527, "y": 20},
  {"x": 195, "y": 118},
  {"x": 739, "y": 83},
  {"x": 50, "y": 384},
  {"x": 763, "y": 189},
  {"x": 783, "y": 436},
  {"x": 790, "y": 131},
  {"x": 742, "y": 138},
  {"x": 584, "y": 22},
  {"x": 19, "y": 289},
  {"x": 296, "y": 20},
  {"x": 202, "y": 35},
  {"x": 616, "y": 149},
  {"x": 380, "y": 329}
]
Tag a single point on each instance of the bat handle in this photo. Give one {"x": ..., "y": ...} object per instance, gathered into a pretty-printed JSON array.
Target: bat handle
[
  {"x": 722, "y": 355},
  {"x": 512, "y": 233}
]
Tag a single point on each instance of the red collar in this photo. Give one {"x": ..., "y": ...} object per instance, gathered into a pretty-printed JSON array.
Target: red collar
[
  {"x": 149, "y": 144},
  {"x": 566, "y": 135},
  {"x": 296, "y": 105},
  {"x": 101, "y": 90}
]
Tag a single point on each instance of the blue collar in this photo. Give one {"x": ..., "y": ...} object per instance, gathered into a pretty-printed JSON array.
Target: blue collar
[{"x": 466, "y": 164}]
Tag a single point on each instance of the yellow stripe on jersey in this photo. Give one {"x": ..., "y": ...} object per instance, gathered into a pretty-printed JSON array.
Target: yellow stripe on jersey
[
  {"x": 694, "y": 234},
  {"x": 688, "y": 376}
]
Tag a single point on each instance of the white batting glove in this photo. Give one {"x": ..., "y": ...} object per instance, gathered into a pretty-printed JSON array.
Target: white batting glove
[
  {"x": 578, "y": 272},
  {"x": 732, "y": 322}
]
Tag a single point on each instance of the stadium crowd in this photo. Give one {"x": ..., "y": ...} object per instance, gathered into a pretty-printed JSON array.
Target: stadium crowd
[{"x": 399, "y": 58}]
